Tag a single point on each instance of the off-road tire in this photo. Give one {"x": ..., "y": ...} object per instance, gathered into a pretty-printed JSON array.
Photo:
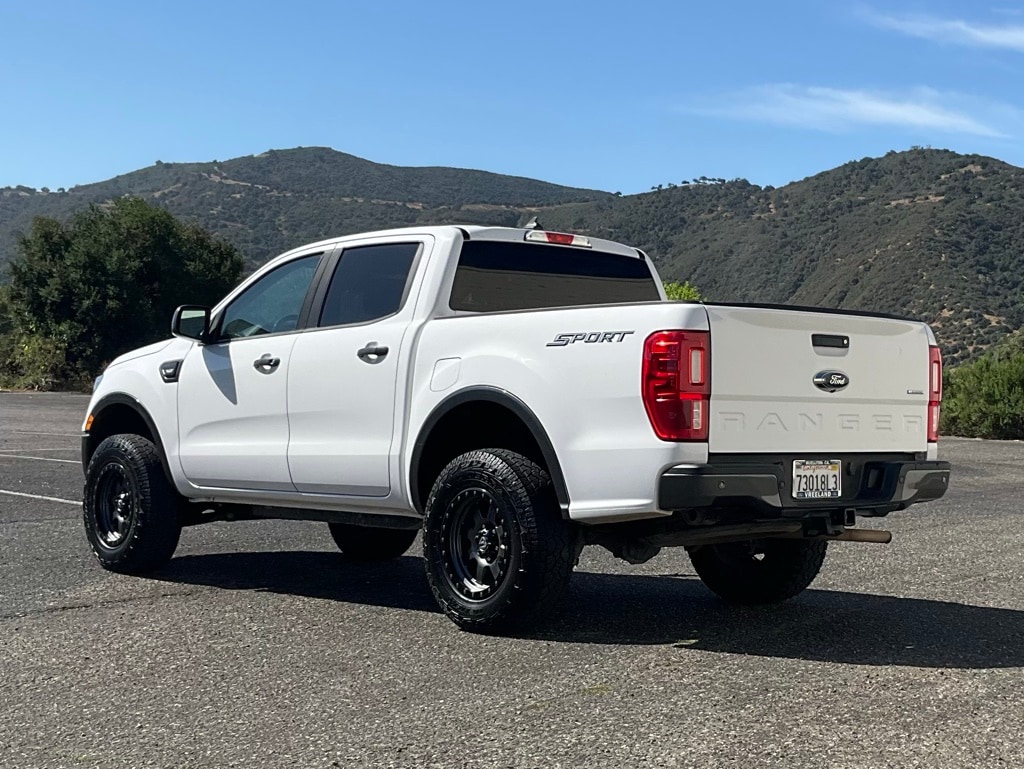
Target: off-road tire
[
  {"x": 364, "y": 543},
  {"x": 130, "y": 510},
  {"x": 498, "y": 553},
  {"x": 737, "y": 575}
]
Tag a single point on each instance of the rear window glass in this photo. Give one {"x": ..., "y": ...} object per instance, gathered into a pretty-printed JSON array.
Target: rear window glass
[
  {"x": 497, "y": 276},
  {"x": 368, "y": 283}
]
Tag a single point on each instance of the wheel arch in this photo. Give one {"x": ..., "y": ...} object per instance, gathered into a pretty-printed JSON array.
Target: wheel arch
[
  {"x": 121, "y": 413},
  {"x": 502, "y": 412}
]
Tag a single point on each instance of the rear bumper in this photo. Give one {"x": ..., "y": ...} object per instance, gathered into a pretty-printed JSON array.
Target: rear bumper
[{"x": 870, "y": 486}]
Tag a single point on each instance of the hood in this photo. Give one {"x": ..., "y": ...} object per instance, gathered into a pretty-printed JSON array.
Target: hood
[{"x": 141, "y": 352}]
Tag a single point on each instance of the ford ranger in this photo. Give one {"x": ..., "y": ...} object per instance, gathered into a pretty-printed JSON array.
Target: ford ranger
[{"x": 516, "y": 394}]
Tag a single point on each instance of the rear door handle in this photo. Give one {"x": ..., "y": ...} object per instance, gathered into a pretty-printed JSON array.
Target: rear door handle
[
  {"x": 266, "y": 363},
  {"x": 373, "y": 352}
]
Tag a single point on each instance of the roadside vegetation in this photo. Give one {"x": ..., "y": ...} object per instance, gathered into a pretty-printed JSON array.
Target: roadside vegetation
[
  {"x": 84, "y": 292},
  {"x": 682, "y": 292},
  {"x": 985, "y": 399}
]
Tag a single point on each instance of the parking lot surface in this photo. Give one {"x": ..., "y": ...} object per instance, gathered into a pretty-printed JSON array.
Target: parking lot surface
[{"x": 259, "y": 646}]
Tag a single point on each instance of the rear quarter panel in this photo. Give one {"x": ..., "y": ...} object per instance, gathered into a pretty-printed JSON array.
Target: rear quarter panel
[{"x": 585, "y": 392}]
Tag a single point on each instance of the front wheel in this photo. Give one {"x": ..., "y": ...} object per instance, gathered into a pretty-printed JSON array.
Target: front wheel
[
  {"x": 365, "y": 543},
  {"x": 498, "y": 553},
  {"x": 130, "y": 509},
  {"x": 759, "y": 571}
]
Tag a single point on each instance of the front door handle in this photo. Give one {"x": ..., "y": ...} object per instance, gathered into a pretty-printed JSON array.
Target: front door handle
[
  {"x": 266, "y": 363},
  {"x": 373, "y": 352}
]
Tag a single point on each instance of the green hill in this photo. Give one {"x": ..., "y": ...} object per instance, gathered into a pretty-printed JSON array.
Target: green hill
[
  {"x": 926, "y": 233},
  {"x": 268, "y": 203}
]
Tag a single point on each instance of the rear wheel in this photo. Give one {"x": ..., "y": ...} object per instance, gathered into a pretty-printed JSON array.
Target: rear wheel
[
  {"x": 365, "y": 543},
  {"x": 130, "y": 509},
  {"x": 759, "y": 571},
  {"x": 498, "y": 553}
]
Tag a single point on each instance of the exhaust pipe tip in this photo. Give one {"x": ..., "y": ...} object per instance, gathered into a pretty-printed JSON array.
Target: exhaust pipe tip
[{"x": 877, "y": 536}]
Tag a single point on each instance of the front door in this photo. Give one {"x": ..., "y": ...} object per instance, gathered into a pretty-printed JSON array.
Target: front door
[{"x": 232, "y": 404}]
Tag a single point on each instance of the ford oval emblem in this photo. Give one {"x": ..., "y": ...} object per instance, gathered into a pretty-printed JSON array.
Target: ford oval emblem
[{"x": 831, "y": 381}]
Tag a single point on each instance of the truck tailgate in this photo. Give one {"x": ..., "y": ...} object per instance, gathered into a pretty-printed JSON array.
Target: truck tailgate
[{"x": 764, "y": 363}]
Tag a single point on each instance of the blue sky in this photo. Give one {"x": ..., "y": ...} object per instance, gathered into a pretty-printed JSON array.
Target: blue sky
[{"x": 616, "y": 96}]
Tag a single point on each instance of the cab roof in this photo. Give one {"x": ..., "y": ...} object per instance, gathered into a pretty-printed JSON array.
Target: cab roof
[{"x": 470, "y": 232}]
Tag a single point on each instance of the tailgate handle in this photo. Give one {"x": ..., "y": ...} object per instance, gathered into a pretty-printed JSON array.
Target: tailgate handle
[{"x": 831, "y": 340}]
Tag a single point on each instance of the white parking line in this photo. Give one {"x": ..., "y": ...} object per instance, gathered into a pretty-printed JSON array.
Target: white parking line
[
  {"x": 61, "y": 435},
  {"x": 40, "y": 496},
  {"x": 40, "y": 459},
  {"x": 15, "y": 451}
]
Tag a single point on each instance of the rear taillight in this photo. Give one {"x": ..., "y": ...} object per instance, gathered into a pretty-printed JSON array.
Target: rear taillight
[
  {"x": 676, "y": 384},
  {"x": 934, "y": 392}
]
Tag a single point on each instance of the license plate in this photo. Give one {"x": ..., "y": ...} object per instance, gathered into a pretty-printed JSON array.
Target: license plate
[{"x": 817, "y": 479}]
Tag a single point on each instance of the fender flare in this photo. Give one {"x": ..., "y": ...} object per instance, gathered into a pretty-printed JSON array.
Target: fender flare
[
  {"x": 512, "y": 403},
  {"x": 122, "y": 399}
]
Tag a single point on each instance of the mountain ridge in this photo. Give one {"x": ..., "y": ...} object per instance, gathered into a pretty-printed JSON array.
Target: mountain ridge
[{"x": 931, "y": 234}]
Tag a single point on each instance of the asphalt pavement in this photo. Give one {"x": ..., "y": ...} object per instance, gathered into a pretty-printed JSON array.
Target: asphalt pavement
[{"x": 259, "y": 646}]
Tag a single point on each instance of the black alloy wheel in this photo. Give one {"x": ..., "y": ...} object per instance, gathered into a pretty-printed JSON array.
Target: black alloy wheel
[
  {"x": 498, "y": 553},
  {"x": 478, "y": 531},
  {"x": 759, "y": 571},
  {"x": 368, "y": 543},
  {"x": 130, "y": 509},
  {"x": 116, "y": 504}
]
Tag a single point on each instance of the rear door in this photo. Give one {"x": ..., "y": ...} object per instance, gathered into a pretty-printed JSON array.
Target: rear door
[
  {"x": 343, "y": 374},
  {"x": 788, "y": 381}
]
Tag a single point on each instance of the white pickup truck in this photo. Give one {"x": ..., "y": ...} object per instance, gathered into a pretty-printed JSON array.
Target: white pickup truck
[{"x": 517, "y": 394}]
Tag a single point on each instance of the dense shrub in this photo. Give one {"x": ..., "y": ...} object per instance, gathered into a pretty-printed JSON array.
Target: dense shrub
[
  {"x": 35, "y": 362},
  {"x": 684, "y": 291},
  {"x": 985, "y": 399},
  {"x": 84, "y": 292}
]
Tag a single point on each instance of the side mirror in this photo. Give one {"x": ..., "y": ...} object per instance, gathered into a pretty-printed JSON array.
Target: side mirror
[{"x": 192, "y": 322}]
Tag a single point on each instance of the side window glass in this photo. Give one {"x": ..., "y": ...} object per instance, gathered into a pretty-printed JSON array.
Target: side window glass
[
  {"x": 368, "y": 283},
  {"x": 273, "y": 303}
]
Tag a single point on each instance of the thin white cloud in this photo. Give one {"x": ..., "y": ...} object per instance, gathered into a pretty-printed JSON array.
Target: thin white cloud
[
  {"x": 957, "y": 31},
  {"x": 838, "y": 110}
]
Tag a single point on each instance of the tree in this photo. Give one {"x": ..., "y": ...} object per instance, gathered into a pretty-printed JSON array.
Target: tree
[
  {"x": 108, "y": 282},
  {"x": 682, "y": 292}
]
